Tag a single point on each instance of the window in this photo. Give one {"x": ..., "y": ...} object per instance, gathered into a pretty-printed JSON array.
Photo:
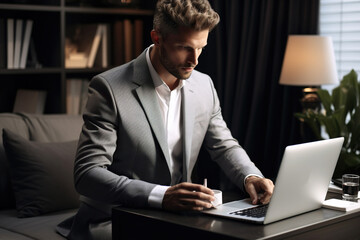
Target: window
[{"x": 340, "y": 19}]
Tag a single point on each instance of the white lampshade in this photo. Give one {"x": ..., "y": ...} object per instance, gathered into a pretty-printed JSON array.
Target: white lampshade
[{"x": 309, "y": 61}]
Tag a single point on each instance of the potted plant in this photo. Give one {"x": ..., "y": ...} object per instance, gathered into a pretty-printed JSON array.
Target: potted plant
[{"x": 340, "y": 116}]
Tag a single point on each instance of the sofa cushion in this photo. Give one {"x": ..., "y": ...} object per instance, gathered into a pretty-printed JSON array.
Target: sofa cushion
[
  {"x": 6, "y": 234},
  {"x": 41, "y": 174},
  {"x": 53, "y": 127},
  {"x": 41, "y": 227},
  {"x": 14, "y": 123}
]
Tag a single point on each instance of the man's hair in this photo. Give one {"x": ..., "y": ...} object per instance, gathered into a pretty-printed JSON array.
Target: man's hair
[{"x": 172, "y": 14}]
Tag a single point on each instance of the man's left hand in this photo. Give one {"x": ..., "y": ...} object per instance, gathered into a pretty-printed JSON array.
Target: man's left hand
[{"x": 259, "y": 189}]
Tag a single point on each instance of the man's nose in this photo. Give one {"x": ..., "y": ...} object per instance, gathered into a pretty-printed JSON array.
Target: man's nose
[{"x": 193, "y": 57}]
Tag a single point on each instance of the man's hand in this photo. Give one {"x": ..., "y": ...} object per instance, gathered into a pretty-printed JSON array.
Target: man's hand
[
  {"x": 187, "y": 196},
  {"x": 259, "y": 189}
]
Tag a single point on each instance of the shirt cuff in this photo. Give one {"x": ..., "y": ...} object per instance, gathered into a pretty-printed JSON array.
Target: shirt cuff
[
  {"x": 250, "y": 176},
  {"x": 156, "y": 196}
]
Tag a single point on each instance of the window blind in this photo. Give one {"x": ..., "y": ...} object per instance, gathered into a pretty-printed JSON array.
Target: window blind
[{"x": 340, "y": 19}]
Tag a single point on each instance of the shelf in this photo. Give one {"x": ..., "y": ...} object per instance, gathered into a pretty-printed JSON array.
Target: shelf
[
  {"x": 123, "y": 11},
  {"x": 23, "y": 7},
  {"x": 85, "y": 70},
  {"x": 30, "y": 71},
  {"x": 88, "y": 10},
  {"x": 52, "y": 20}
]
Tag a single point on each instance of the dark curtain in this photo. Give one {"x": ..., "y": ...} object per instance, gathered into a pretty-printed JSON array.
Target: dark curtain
[{"x": 244, "y": 58}]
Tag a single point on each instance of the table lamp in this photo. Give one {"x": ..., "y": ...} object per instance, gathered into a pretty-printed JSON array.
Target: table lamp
[{"x": 309, "y": 61}]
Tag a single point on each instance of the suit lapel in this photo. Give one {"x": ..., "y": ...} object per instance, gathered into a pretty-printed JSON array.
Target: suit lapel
[
  {"x": 188, "y": 99},
  {"x": 149, "y": 102}
]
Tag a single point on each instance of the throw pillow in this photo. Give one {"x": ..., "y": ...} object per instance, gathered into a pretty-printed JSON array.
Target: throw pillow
[{"x": 41, "y": 174}]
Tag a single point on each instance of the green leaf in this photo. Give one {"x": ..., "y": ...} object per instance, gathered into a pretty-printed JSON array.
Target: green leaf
[
  {"x": 346, "y": 164},
  {"x": 350, "y": 80},
  {"x": 311, "y": 119},
  {"x": 342, "y": 100},
  {"x": 336, "y": 97},
  {"x": 325, "y": 100},
  {"x": 350, "y": 90},
  {"x": 354, "y": 128},
  {"x": 300, "y": 115},
  {"x": 340, "y": 116},
  {"x": 331, "y": 125}
]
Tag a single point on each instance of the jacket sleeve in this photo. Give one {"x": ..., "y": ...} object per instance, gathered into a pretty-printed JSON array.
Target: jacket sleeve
[
  {"x": 224, "y": 149},
  {"x": 96, "y": 147}
]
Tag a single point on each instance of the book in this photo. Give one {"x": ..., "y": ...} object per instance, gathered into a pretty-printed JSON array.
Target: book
[
  {"x": 18, "y": 42},
  {"x": 128, "y": 40},
  {"x": 73, "y": 89},
  {"x": 83, "y": 95},
  {"x": 26, "y": 43},
  {"x": 102, "y": 55},
  {"x": 76, "y": 95},
  {"x": 95, "y": 45},
  {"x": 30, "y": 101},
  {"x": 76, "y": 60},
  {"x": 138, "y": 37},
  {"x": 32, "y": 56},
  {"x": 341, "y": 205},
  {"x": 105, "y": 46},
  {"x": 10, "y": 43},
  {"x": 3, "y": 51},
  {"x": 82, "y": 40}
]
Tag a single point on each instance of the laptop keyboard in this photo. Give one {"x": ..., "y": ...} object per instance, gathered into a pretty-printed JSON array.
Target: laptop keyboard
[{"x": 256, "y": 212}]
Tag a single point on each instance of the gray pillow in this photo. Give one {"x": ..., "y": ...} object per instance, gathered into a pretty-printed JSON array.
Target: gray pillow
[{"x": 41, "y": 174}]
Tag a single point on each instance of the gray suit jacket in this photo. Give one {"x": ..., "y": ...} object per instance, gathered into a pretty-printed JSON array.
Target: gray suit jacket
[{"x": 123, "y": 152}]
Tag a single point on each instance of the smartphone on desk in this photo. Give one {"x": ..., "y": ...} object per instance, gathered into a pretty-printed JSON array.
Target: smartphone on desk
[{"x": 337, "y": 182}]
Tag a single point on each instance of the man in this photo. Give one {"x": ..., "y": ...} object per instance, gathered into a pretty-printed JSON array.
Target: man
[{"x": 145, "y": 122}]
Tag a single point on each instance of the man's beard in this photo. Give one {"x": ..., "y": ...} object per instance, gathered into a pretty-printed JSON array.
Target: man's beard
[{"x": 171, "y": 68}]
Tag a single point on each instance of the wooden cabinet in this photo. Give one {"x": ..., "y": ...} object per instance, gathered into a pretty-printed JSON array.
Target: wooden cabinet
[{"x": 52, "y": 21}]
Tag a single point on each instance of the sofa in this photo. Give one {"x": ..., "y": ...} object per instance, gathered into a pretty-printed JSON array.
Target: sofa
[{"x": 36, "y": 174}]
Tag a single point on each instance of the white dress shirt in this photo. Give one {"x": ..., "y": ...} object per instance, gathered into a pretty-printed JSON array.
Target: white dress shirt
[{"x": 170, "y": 107}]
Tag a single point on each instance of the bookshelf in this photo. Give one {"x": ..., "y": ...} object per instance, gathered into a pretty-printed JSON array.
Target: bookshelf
[{"x": 46, "y": 67}]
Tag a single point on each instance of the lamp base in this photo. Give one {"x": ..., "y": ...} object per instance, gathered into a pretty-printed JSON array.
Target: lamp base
[{"x": 310, "y": 100}]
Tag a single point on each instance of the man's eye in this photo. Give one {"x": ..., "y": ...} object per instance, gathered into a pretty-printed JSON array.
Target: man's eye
[
  {"x": 190, "y": 49},
  {"x": 181, "y": 48}
]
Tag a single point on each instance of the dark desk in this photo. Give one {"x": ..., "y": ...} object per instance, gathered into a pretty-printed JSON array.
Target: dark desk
[{"x": 157, "y": 224}]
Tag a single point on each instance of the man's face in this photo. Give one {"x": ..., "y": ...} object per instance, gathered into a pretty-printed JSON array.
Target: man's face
[{"x": 179, "y": 52}]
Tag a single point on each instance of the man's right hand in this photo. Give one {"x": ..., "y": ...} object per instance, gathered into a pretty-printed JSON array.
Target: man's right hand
[{"x": 187, "y": 196}]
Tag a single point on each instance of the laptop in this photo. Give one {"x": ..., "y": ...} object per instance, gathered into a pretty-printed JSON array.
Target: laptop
[{"x": 301, "y": 184}]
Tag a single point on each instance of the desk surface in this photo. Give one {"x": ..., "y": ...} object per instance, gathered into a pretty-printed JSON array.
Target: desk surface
[{"x": 157, "y": 224}]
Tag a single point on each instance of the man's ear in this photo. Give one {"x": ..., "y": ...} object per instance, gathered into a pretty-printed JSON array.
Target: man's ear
[{"x": 155, "y": 37}]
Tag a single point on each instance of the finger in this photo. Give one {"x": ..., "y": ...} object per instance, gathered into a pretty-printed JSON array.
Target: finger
[
  {"x": 267, "y": 187},
  {"x": 181, "y": 197},
  {"x": 252, "y": 193},
  {"x": 191, "y": 208},
  {"x": 187, "y": 204},
  {"x": 260, "y": 189},
  {"x": 195, "y": 187},
  {"x": 193, "y": 195},
  {"x": 195, "y": 204},
  {"x": 265, "y": 199},
  {"x": 205, "y": 196}
]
